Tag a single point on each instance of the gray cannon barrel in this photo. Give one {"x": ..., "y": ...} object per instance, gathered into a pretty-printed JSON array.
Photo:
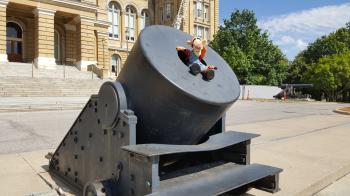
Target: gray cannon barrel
[{"x": 172, "y": 105}]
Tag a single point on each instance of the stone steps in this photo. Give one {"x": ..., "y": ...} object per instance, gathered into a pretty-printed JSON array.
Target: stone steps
[
  {"x": 25, "y": 70},
  {"x": 34, "y": 87}
]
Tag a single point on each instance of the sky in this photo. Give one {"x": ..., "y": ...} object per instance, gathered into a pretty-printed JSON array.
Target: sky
[{"x": 293, "y": 24}]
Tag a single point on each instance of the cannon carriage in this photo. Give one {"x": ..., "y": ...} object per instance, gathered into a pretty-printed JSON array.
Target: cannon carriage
[{"x": 158, "y": 130}]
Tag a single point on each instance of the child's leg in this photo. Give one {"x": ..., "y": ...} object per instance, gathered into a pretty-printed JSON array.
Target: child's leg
[
  {"x": 195, "y": 68},
  {"x": 202, "y": 66}
]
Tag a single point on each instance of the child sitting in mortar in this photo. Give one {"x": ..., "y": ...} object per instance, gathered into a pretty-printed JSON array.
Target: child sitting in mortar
[{"x": 194, "y": 58}]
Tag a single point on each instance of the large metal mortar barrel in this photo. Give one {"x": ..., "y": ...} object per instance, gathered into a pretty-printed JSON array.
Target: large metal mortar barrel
[{"x": 172, "y": 105}]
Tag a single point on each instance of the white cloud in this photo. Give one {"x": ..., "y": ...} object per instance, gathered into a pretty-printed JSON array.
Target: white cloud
[
  {"x": 293, "y": 31},
  {"x": 301, "y": 45},
  {"x": 285, "y": 39}
]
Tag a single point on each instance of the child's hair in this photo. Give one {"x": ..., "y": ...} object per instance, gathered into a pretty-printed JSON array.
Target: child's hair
[{"x": 194, "y": 40}]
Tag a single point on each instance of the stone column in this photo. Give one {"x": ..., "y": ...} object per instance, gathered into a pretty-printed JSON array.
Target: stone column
[
  {"x": 122, "y": 29},
  {"x": 217, "y": 19},
  {"x": 44, "y": 38},
  {"x": 3, "y": 53},
  {"x": 103, "y": 60},
  {"x": 138, "y": 24},
  {"x": 86, "y": 49}
]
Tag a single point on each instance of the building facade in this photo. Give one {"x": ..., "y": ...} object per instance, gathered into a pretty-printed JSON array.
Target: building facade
[{"x": 91, "y": 34}]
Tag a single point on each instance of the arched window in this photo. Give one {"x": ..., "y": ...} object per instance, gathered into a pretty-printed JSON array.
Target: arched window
[
  {"x": 14, "y": 42},
  {"x": 113, "y": 18},
  {"x": 130, "y": 16},
  {"x": 115, "y": 62},
  {"x": 13, "y": 30},
  {"x": 144, "y": 19}
]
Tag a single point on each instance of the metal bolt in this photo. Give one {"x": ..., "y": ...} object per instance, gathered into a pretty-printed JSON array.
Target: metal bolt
[
  {"x": 75, "y": 139},
  {"x": 56, "y": 161}
]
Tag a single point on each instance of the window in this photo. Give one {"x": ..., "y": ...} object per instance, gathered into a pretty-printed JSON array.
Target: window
[
  {"x": 199, "y": 9},
  {"x": 14, "y": 38},
  {"x": 113, "y": 18},
  {"x": 144, "y": 19},
  {"x": 115, "y": 61},
  {"x": 13, "y": 30},
  {"x": 168, "y": 10},
  {"x": 200, "y": 31},
  {"x": 130, "y": 23},
  {"x": 206, "y": 33},
  {"x": 206, "y": 13}
]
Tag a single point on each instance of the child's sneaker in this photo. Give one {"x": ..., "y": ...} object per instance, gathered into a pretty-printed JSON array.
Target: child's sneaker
[
  {"x": 195, "y": 69},
  {"x": 209, "y": 74}
]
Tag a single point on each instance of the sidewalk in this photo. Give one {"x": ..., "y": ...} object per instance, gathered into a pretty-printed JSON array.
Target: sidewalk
[
  {"x": 20, "y": 173},
  {"x": 309, "y": 142},
  {"x": 15, "y": 104}
]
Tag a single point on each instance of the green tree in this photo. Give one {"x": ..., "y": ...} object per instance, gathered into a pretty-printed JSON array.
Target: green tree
[
  {"x": 325, "y": 63},
  {"x": 330, "y": 75},
  {"x": 248, "y": 50},
  {"x": 334, "y": 43}
]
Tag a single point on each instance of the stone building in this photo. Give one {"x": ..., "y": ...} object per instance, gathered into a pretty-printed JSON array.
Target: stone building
[{"x": 91, "y": 34}]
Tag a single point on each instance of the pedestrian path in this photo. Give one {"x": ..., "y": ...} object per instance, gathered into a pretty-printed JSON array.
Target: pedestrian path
[
  {"x": 48, "y": 87},
  {"x": 15, "y": 104}
]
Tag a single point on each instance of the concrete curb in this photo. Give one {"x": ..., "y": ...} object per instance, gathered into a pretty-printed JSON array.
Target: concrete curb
[
  {"x": 325, "y": 182},
  {"x": 340, "y": 111}
]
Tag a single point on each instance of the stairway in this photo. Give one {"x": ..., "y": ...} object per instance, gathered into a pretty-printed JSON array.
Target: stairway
[
  {"x": 48, "y": 87},
  {"x": 27, "y": 70}
]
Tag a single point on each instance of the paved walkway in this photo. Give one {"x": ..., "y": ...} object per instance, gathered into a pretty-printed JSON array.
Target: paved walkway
[
  {"x": 15, "y": 104},
  {"x": 340, "y": 187},
  {"x": 308, "y": 140}
]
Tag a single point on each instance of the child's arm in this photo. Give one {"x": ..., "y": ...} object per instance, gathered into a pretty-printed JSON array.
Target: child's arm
[
  {"x": 180, "y": 48},
  {"x": 203, "y": 53}
]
